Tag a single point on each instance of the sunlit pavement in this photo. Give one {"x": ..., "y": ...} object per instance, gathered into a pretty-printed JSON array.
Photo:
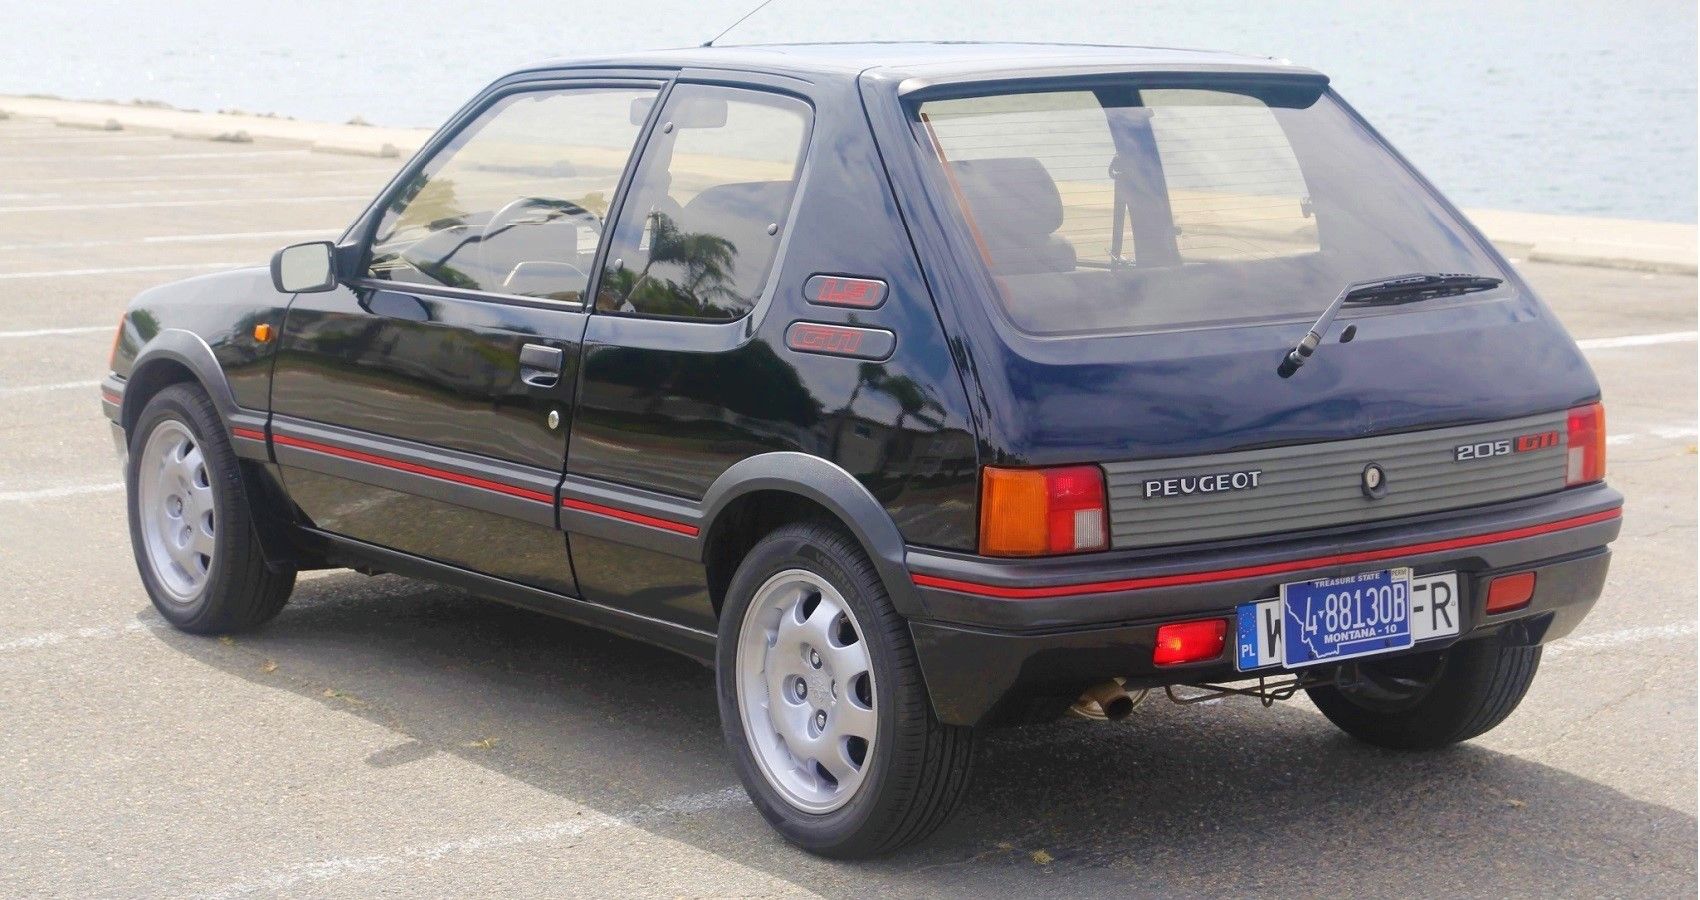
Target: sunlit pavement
[{"x": 388, "y": 736}]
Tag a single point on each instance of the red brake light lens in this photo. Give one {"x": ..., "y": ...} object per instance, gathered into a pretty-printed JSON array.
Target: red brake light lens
[
  {"x": 1032, "y": 512},
  {"x": 1186, "y": 642},
  {"x": 1586, "y": 445}
]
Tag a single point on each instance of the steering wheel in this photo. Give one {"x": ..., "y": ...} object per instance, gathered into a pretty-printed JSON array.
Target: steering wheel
[{"x": 534, "y": 211}]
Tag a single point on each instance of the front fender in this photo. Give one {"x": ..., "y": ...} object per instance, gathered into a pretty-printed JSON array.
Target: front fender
[{"x": 165, "y": 351}]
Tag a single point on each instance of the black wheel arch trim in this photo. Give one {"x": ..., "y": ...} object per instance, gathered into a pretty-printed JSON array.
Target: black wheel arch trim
[
  {"x": 825, "y": 483},
  {"x": 193, "y": 353}
]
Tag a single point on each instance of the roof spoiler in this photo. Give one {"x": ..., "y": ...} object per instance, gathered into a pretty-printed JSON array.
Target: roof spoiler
[{"x": 1278, "y": 83}]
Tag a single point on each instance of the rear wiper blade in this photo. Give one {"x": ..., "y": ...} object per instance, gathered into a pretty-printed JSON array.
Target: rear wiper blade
[
  {"x": 1384, "y": 292},
  {"x": 1415, "y": 288}
]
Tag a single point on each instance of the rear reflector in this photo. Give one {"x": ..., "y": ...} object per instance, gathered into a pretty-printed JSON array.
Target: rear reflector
[
  {"x": 842, "y": 290},
  {"x": 840, "y": 340},
  {"x": 1586, "y": 441},
  {"x": 1509, "y": 592},
  {"x": 1032, "y": 512},
  {"x": 1185, "y": 642}
]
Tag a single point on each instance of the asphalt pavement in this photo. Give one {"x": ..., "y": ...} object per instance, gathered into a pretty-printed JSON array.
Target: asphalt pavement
[{"x": 389, "y": 737}]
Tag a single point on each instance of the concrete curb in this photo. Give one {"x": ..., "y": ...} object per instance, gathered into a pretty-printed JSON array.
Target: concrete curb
[
  {"x": 1579, "y": 240},
  {"x": 360, "y": 140},
  {"x": 1590, "y": 241}
]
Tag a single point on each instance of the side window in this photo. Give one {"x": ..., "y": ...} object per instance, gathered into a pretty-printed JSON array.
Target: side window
[
  {"x": 516, "y": 203},
  {"x": 697, "y": 235}
]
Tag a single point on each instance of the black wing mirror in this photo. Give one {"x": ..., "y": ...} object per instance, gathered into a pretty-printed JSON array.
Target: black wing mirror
[{"x": 305, "y": 268}]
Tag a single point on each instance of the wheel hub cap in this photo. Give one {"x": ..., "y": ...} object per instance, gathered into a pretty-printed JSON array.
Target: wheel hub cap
[
  {"x": 806, "y": 691},
  {"x": 175, "y": 509}
]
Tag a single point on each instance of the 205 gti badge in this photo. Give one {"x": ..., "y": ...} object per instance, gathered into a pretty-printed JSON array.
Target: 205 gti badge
[{"x": 1523, "y": 443}]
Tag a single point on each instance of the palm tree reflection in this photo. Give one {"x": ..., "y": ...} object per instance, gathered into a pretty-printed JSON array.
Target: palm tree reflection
[{"x": 687, "y": 274}]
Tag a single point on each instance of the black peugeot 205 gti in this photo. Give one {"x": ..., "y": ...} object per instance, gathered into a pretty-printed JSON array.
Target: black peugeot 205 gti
[{"x": 916, "y": 388}]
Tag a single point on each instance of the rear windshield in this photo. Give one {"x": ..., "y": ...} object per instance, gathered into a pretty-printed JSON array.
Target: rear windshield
[{"x": 1137, "y": 208}]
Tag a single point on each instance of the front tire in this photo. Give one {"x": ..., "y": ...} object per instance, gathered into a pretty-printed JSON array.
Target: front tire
[
  {"x": 1429, "y": 700},
  {"x": 190, "y": 525},
  {"x": 823, "y": 704}
]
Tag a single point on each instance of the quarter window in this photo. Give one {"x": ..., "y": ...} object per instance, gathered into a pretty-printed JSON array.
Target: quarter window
[
  {"x": 698, "y": 234},
  {"x": 516, "y": 203}
]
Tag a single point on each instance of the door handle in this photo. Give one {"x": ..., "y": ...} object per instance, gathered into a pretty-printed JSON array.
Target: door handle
[{"x": 540, "y": 366}]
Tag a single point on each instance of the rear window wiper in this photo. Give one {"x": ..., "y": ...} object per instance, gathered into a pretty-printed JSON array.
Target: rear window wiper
[{"x": 1411, "y": 288}]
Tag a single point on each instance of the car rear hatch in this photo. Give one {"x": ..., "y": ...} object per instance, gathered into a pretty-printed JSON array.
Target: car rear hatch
[{"x": 1125, "y": 259}]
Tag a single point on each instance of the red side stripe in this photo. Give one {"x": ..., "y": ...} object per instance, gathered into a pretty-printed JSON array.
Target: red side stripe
[
  {"x": 248, "y": 434},
  {"x": 539, "y": 496},
  {"x": 416, "y": 469},
  {"x": 1134, "y": 584},
  {"x": 639, "y": 518}
]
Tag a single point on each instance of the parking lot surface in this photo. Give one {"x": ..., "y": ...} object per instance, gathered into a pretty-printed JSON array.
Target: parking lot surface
[{"x": 388, "y": 737}]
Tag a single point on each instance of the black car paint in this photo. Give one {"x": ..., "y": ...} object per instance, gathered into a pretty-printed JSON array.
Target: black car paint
[{"x": 891, "y": 448}]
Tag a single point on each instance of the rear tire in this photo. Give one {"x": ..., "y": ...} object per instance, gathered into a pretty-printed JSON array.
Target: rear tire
[
  {"x": 1430, "y": 700},
  {"x": 191, "y": 528},
  {"x": 913, "y": 769}
]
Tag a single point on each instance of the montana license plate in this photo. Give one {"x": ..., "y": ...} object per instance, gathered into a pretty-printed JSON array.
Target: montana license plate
[{"x": 1334, "y": 619}]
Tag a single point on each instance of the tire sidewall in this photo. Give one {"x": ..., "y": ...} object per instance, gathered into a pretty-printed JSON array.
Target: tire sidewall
[
  {"x": 189, "y": 407},
  {"x": 795, "y": 547}
]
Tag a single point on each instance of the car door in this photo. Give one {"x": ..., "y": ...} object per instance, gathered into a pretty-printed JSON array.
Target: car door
[
  {"x": 424, "y": 405},
  {"x": 676, "y": 384}
]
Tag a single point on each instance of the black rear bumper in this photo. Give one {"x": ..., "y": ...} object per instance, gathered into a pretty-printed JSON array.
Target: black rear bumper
[{"x": 1000, "y": 635}]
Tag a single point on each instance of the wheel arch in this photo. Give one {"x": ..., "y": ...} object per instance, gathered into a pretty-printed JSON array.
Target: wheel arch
[
  {"x": 176, "y": 356},
  {"x": 171, "y": 357},
  {"x": 762, "y": 492}
]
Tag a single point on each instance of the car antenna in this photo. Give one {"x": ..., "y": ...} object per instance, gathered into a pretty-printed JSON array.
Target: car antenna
[{"x": 759, "y": 7}]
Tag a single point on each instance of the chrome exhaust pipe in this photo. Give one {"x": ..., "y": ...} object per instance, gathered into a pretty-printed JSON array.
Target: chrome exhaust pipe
[{"x": 1108, "y": 700}]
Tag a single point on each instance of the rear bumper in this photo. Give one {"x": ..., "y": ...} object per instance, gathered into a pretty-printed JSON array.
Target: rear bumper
[{"x": 999, "y": 633}]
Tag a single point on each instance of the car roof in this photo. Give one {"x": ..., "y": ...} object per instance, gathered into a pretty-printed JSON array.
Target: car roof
[{"x": 927, "y": 60}]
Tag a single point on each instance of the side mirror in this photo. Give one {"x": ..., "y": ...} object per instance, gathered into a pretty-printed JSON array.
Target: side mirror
[{"x": 305, "y": 268}]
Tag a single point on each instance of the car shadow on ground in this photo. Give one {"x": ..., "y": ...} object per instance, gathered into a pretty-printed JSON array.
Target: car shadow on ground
[{"x": 1227, "y": 798}]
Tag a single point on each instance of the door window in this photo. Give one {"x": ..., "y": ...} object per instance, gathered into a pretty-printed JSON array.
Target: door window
[
  {"x": 516, "y": 203},
  {"x": 698, "y": 235}
]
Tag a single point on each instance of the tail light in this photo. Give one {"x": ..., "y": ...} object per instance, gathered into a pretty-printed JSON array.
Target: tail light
[
  {"x": 1185, "y": 642},
  {"x": 1032, "y": 512},
  {"x": 1586, "y": 445}
]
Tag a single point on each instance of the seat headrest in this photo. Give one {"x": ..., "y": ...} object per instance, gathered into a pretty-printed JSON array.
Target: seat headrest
[
  {"x": 751, "y": 203},
  {"x": 1010, "y": 197}
]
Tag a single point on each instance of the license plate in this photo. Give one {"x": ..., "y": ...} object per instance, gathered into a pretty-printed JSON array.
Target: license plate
[{"x": 1332, "y": 619}]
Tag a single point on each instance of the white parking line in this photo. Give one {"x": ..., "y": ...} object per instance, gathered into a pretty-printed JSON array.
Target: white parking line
[
  {"x": 180, "y": 239},
  {"x": 102, "y": 138},
  {"x": 162, "y": 204},
  {"x": 1638, "y": 340},
  {"x": 173, "y": 267},
  {"x": 54, "y": 493},
  {"x": 55, "y": 332},
  {"x": 43, "y": 388},
  {"x": 95, "y": 633},
  {"x": 1621, "y": 637},
  {"x": 231, "y": 154},
  {"x": 1675, "y": 433},
  {"x": 137, "y": 192},
  {"x": 211, "y": 176},
  {"x": 296, "y": 876}
]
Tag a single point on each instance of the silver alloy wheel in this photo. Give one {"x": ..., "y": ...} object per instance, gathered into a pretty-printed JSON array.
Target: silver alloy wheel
[
  {"x": 806, "y": 690},
  {"x": 174, "y": 504}
]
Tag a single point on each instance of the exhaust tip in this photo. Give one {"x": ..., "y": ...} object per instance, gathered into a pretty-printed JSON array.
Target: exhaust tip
[
  {"x": 1119, "y": 708},
  {"x": 1105, "y": 701}
]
